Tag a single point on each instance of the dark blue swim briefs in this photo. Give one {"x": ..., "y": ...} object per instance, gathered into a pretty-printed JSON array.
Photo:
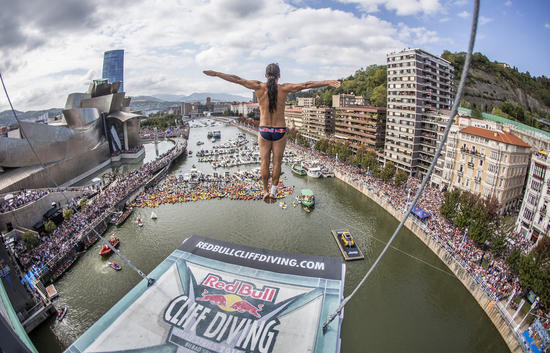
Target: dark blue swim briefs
[{"x": 272, "y": 133}]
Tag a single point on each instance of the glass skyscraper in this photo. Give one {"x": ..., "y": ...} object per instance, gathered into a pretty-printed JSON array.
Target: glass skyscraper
[{"x": 113, "y": 67}]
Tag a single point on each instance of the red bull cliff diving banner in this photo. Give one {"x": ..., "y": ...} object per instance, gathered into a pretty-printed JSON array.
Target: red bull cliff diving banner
[{"x": 213, "y": 296}]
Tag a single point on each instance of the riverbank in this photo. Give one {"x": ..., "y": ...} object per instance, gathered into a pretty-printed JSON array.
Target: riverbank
[{"x": 494, "y": 309}]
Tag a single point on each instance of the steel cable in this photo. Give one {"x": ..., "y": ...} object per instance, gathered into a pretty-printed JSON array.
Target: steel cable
[{"x": 454, "y": 110}]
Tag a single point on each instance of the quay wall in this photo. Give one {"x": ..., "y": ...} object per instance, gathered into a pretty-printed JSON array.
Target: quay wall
[
  {"x": 28, "y": 215},
  {"x": 494, "y": 310}
]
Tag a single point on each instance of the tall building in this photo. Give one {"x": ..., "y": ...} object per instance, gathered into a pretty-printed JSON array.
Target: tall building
[
  {"x": 306, "y": 102},
  {"x": 346, "y": 100},
  {"x": 417, "y": 83},
  {"x": 254, "y": 97},
  {"x": 113, "y": 67},
  {"x": 490, "y": 163},
  {"x": 318, "y": 123},
  {"x": 534, "y": 217},
  {"x": 361, "y": 126},
  {"x": 294, "y": 118}
]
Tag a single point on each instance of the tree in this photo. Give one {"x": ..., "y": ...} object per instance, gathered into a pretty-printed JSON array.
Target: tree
[
  {"x": 498, "y": 242},
  {"x": 30, "y": 241},
  {"x": 401, "y": 177},
  {"x": 451, "y": 201},
  {"x": 83, "y": 202},
  {"x": 534, "y": 270},
  {"x": 50, "y": 226},
  {"x": 513, "y": 261},
  {"x": 388, "y": 172},
  {"x": 68, "y": 213},
  {"x": 378, "y": 96}
]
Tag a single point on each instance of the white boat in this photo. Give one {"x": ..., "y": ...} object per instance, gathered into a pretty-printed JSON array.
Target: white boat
[
  {"x": 153, "y": 215},
  {"x": 314, "y": 172}
]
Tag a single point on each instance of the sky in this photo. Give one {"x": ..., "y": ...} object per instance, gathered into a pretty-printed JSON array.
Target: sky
[{"x": 49, "y": 49}]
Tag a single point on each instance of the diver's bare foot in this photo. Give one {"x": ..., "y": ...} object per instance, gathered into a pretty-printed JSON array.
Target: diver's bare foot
[{"x": 266, "y": 196}]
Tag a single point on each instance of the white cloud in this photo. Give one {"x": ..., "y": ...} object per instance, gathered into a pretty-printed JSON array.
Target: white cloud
[
  {"x": 464, "y": 14},
  {"x": 166, "y": 51},
  {"x": 508, "y": 3},
  {"x": 547, "y": 25},
  {"x": 460, "y": 2},
  {"x": 401, "y": 7},
  {"x": 484, "y": 20},
  {"x": 444, "y": 19}
]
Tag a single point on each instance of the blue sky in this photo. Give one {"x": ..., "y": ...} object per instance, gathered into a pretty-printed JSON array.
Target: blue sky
[{"x": 50, "y": 51}]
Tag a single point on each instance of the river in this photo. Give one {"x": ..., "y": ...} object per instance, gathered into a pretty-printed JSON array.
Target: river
[{"x": 405, "y": 306}]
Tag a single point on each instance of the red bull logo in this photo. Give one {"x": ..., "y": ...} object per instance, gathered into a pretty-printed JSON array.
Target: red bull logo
[
  {"x": 231, "y": 302},
  {"x": 240, "y": 288}
]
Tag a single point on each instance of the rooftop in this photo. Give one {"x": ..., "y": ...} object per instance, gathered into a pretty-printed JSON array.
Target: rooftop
[{"x": 499, "y": 136}]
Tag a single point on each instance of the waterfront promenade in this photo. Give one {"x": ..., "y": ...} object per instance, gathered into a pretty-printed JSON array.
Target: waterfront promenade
[
  {"x": 57, "y": 252},
  {"x": 490, "y": 286}
]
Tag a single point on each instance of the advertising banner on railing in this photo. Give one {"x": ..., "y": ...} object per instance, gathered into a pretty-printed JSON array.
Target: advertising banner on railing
[{"x": 214, "y": 296}]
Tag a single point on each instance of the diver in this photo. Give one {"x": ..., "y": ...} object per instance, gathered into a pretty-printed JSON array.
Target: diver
[{"x": 272, "y": 130}]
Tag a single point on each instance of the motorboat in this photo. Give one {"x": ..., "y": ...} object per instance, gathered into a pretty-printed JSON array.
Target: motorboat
[
  {"x": 153, "y": 215},
  {"x": 314, "y": 172},
  {"x": 61, "y": 314},
  {"x": 298, "y": 170},
  {"x": 106, "y": 249},
  {"x": 307, "y": 198},
  {"x": 114, "y": 266},
  {"x": 124, "y": 216},
  {"x": 139, "y": 222}
]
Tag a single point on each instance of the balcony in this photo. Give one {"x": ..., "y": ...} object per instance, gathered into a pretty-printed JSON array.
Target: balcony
[
  {"x": 471, "y": 164},
  {"x": 472, "y": 152}
]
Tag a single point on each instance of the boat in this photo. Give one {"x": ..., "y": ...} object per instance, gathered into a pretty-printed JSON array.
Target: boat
[
  {"x": 190, "y": 152},
  {"x": 216, "y": 135},
  {"x": 153, "y": 215},
  {"x": 61, "y": 314},
  {"x": 200, "y": 143},
  {"x": 114, "y": 266},
  {"x": 139, "y": 222},
  {"x": 307, "y": 199},
  {"x": 124, "y": 216},
  {"x": 209, "y": 135},
  {"x": 106, "y": 250},
  {"x": 298, "y": 170},
  {"x": 348, "y": 246},
  {"x": 314, "y": 172}
]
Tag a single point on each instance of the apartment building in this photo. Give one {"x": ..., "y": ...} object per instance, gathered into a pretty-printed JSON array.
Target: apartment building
[
  {"x": 246, "y": 108},
  {"x": 534, "y": 216},
  {"x": 306, "y": 102},
  {"x": 361, "y": 126},
  {"x": 418, "y": 84},
  {"x": 294, "y": 118},
  {"x": 318, "y": 123},
  {"x": 346, "y": 100},
  {"x": 487, "y": 162}
]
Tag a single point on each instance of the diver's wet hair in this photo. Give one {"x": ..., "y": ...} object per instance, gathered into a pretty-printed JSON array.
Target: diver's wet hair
[{"x": 272, "y": 72}]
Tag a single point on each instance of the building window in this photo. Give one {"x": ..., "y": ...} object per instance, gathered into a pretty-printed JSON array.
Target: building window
[
  {"x": 535, "y": 185},
  {"x": 538, "y": 171},
  {"x": 494, "y": 154},
  {"x": 527, "y": 214}
]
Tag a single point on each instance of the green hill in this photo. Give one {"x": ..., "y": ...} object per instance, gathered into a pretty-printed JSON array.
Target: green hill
[{"x": 491, "y": 88}]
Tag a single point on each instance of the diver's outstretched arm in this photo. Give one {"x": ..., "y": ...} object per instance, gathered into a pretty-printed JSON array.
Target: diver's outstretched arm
[
  {"x": 296, "y": 87},
  {"x": 250, "y": 84}
]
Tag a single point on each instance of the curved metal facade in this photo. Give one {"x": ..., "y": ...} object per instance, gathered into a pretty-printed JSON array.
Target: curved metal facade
[{"x": 52, "y": 144}]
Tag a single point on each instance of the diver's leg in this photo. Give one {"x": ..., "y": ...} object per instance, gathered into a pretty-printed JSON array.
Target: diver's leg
[
  {"x": 278, "y": 151},
  {"x": 265, "y": 155}
]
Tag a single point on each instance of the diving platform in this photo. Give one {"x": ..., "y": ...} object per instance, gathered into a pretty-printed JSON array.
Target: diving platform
[{"x": 347, "y": 245}]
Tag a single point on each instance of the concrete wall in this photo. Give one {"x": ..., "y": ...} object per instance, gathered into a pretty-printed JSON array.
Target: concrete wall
[
  {"x": 32, "y": 213},
  {"x": 494, "y": 310}
]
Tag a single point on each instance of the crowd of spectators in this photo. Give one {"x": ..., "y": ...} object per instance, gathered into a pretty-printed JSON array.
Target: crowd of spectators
[
  {"x": 12, "y": 201},
  {"x": 179, "y": 131},
  {"x": 489, "y": 271},
  {"x": 66, "y": 236}
]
